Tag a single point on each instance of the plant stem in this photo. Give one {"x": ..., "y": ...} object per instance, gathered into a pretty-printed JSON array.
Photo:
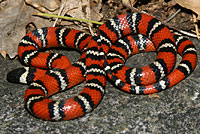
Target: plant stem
[{"x": 70, "y": 18}]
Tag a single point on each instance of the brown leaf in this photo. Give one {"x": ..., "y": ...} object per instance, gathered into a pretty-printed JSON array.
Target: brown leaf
[
  {"x": 3, "y": 53},
  {"x": 193, "y": 5},
  {"x": 155, "y": 95},
  {"x": 84, "y": 9},
  {"x": 49, "y": 6},
  {"x": 14, "y": 16},
  {"x": 9, "y": 35},
  {"x": 96, "y": 6},
  {"x": 129, "y": 2}
]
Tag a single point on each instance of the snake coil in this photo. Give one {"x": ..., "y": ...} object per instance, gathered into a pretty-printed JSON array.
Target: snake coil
[{"x": 104, "y": 54}]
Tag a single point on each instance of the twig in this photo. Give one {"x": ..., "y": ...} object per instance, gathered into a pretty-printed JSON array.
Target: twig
[
  {"x": 69, "y": 18},
  {"x": 195, "y": 25},
  {"x": 187, "y": 33},
  {"x": 172, "y": 16},
  {"x": 60, "y": 11}
]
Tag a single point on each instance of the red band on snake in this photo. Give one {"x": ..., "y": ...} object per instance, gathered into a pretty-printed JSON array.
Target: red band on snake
[{"x": 104, "y": 54}]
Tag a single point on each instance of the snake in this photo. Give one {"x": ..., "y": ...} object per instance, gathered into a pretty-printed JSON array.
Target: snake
[{"x": 103, "y": 57}]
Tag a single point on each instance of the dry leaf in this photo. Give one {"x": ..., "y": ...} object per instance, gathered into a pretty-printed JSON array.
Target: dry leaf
[
  {"x": 14, "y": 16},
  {"x": 96, "y": 6},
  {"x": 3, "y": 53},
  {"x": 9, "y": 34},
  {"x": 155, "y": 95},
  {"x": 82, "y": 9},
  {"x": 193, "y": 5},
  {"x": 129, "y": 2},
  {"x": 49, "y": 6}
]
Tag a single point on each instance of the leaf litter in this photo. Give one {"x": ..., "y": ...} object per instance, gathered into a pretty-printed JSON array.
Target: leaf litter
[{"x": 16, "y": 14}]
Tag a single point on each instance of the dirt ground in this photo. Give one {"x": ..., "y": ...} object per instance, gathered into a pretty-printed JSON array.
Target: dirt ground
[{"x": 175, "y": 111}]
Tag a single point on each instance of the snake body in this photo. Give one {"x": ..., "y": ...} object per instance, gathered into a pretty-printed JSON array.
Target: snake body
[{"x": 102, "y": 55}]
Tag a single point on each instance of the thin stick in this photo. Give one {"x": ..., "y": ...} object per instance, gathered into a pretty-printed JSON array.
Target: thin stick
[
  {"x": 195, "y": 25},
  {"x": 70, "y": 18},
  {"x": 172, "y": 16},
  {"x": 59, "y": 12},
  {"x": 187, "y": 33}
]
